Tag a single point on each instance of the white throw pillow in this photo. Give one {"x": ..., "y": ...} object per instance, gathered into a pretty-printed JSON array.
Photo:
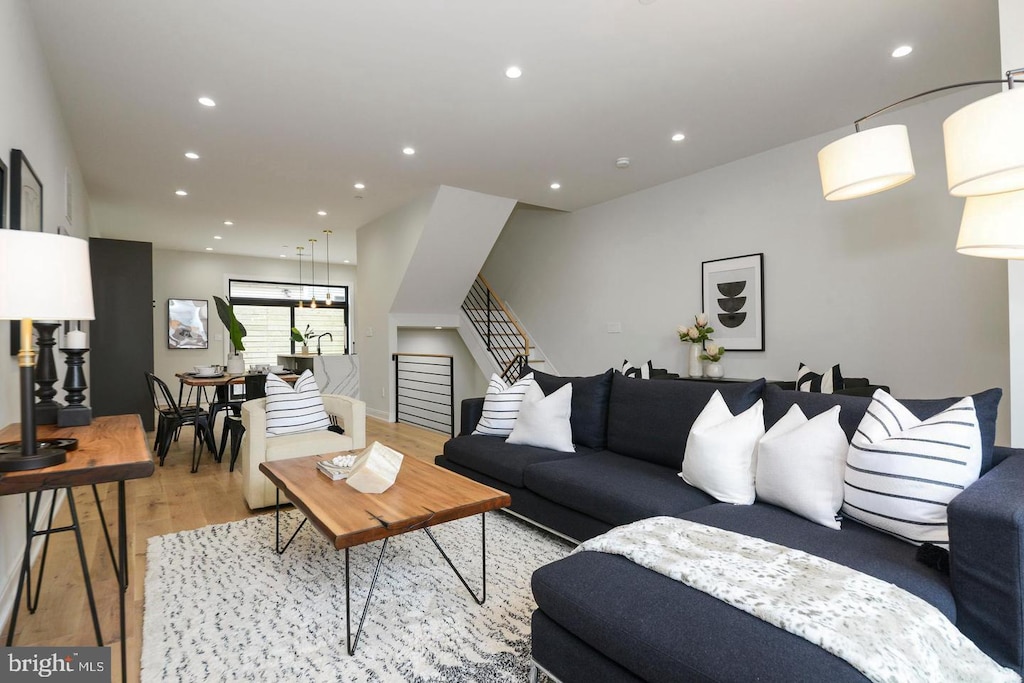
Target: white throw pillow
[
  {"x": 720, "y": 451},
  {"x": 501, "y": 406},
  {"x": 901, "y": 472},
  {"x": 800, "y": 465},
  {"x": 295, "y": 409},
  {"x": 544, "y": 420}
]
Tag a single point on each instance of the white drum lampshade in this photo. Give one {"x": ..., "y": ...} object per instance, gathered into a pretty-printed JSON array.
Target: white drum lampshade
[
  {"x": 985, "y": 146},
  {"x": 44, "y": 277},
  {"x": 866, "y": 162},
  {"x": 993, "y": 226}
]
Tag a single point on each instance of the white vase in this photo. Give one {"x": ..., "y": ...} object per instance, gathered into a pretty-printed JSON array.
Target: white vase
[
  {"x": 305, "y": 349},
  {"x": 236, "y": 364},
  {"x": 696, "y": 368},
  {"x": 714, "y": 370}
]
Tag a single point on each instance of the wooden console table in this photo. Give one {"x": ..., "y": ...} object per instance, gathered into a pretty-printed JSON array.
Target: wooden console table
[{"x": 110, "y": 449}]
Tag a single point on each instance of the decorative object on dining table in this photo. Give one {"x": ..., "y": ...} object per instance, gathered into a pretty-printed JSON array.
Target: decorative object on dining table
[
  {"x": 732, "y": 293},
  {"x": 74, "y": 414},
  {"x": 187, "y": 324},
  {"x": 713, "y": 354},
  {"x": 64, "y": 292},
  {"x": 696, "y": 335},
  {"x": 303, "y": 337},
  {"x": 46, "y": 373},
  {"x": 236, "y": 331}
]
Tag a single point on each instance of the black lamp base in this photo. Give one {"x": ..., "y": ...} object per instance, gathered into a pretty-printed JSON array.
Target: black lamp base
[
  {"x": 11, "y": 461},
  {"x": 48, "y": 453}
]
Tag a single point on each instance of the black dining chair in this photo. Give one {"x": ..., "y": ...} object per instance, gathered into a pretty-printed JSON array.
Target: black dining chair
[
  {"x": 173, "y": 417},
  {"x": 255, "y": 387}
]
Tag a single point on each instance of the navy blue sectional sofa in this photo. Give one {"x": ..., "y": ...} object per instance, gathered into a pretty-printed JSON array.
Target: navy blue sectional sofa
[{"x": 602, "y": 618}]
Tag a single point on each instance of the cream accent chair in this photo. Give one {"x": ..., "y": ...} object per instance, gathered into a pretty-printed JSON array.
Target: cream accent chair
[{"x": 258, "y": 446}]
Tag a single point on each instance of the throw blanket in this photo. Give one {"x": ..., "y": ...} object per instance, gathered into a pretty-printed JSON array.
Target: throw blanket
[{"x": 882, "y": 630}]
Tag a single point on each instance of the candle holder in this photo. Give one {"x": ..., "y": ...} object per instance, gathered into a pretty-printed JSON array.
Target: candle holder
[
  {"x": 46, "y": 374},
  {"x": 74, "y": 414}
]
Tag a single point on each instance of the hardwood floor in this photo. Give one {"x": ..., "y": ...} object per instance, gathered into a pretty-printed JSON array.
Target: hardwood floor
[{"x": 169, "y": 501}]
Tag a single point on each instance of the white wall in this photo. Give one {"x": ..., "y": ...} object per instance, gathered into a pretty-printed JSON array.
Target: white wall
[
  {"x": 874, "y": 284},
  {"x": 192, "y": 275},
  {"x": 1011, "y": 44},
  {"x": 384, "y": 247},
  {"x": 468, "y": 381},
  {"x": 30, "y": 120}
]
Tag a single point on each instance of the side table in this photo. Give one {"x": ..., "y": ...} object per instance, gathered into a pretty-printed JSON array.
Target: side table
[{"x": 111, "y": 449}]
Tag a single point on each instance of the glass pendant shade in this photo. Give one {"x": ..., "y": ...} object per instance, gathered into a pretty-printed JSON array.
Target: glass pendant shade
[
  {"x": 866, "y": 162},
  {"x": 993, "y": 226},
  {"x": 985, "y": 146}
]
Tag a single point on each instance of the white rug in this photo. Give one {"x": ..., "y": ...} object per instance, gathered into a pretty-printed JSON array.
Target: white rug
[{"x": 221, "y": 605}]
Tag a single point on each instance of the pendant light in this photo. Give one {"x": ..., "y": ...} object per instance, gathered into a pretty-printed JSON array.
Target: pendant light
[
  {"x": 312, "y": 273},
  {"x": 298, "y": 253},
  {"x": 327, "y": 239}
]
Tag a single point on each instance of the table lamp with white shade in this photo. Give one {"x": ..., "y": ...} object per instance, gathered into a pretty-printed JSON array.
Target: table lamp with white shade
[{"x": 42, "y": 277}]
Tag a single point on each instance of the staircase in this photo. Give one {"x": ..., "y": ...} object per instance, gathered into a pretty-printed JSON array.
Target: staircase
[{"x": 501, "y": 343}]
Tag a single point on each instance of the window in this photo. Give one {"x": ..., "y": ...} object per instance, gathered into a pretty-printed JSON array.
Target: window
[{"x": 270, "y": 309}]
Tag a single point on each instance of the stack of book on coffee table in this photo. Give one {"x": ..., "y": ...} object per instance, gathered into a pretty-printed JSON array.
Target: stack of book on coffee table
[{"x": 336, "y": 468}]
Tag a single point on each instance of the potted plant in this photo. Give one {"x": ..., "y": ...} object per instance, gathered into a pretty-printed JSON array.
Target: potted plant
[
  {"x": 236, "y": 331},
  {"x": 303, "y": 337}
]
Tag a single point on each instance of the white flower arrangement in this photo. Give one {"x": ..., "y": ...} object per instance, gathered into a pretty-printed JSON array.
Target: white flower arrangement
[
  {"x": 712, "y": 352},
  {"x": 698, "y": 333}
]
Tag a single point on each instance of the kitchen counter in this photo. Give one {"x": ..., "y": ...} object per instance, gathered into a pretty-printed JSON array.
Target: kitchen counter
[{"x": 334, "y": 373}]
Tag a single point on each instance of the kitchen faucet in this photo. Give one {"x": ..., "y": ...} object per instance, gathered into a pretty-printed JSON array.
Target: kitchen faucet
[{"x": 325, "y": 334}]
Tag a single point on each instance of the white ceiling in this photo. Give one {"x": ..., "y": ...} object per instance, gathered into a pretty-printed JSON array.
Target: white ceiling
[{"x": 316, "y": 95}]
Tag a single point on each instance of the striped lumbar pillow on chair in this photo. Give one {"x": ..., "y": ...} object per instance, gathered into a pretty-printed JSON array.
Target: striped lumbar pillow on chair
[
  {"x": 501, "y": 406},
  {"x": 298, "y": 409}
]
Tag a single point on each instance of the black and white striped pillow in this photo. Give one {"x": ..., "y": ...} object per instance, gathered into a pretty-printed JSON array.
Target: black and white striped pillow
[
  {"x": 826, "y": 383},
  {"x": 642, "y": 372},
  {"x": 501, "y": 406},
  {"x": 901, "y": 472},
  {"x": 298, "y": 409}
]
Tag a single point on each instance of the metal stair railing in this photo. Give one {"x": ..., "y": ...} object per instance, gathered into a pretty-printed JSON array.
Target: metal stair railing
[
  {"x": 425, "y": 391},
  {"x": 504, "y": 339}
]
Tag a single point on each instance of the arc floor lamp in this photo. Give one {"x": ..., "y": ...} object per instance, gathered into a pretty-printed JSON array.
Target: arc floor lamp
[{"x": 984, "y": 163}]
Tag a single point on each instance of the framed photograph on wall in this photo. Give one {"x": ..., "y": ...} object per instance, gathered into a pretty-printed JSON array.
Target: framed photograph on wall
[
  {"x": 188, "y": 323},
  {"x": 732, "y": 294},
  {"x": 3, "y": 194},
  {"x": 26, "y": 194}
]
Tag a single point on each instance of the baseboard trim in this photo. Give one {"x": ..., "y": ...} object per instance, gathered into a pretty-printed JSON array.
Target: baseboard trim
[{"x": 379, "y": 414}]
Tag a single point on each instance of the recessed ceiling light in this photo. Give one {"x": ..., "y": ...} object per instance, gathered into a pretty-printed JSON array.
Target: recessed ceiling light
[
  {"x": 438, "y": 327},
  {"x": 283, "y": 256},
  {"x": 181, "y": 193},
  {"x": 229, "y": 222},
  {"x": 217, "y": 237},
  {"x": 321, "y": 212},
  {"x": 902, "y": 51},
  {"x": 359, "y": 186},
  {"x": 191, "y": 155},
  {"x": 209, "y": 249},
  {"x": 345, "y": 261},
  {"x": 556, "y": 186},
  {"x": 207, "y": 101},
  {"x": 678, "y": 137},
  {"x": 513, "y": 72},
  {"x": 408, "y": 151}
]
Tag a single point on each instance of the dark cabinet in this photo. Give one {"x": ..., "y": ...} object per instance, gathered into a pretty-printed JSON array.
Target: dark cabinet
[{"x": 121, "y": 336}]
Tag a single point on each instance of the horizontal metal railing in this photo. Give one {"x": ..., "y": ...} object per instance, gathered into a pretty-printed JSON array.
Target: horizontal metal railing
[
  {"x": 425, "y": 391},
  {"x": 504, "y": 339}
]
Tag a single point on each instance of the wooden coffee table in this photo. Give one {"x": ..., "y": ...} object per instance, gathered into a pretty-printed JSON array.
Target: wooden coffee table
[{"x": 423, "y": 495}]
